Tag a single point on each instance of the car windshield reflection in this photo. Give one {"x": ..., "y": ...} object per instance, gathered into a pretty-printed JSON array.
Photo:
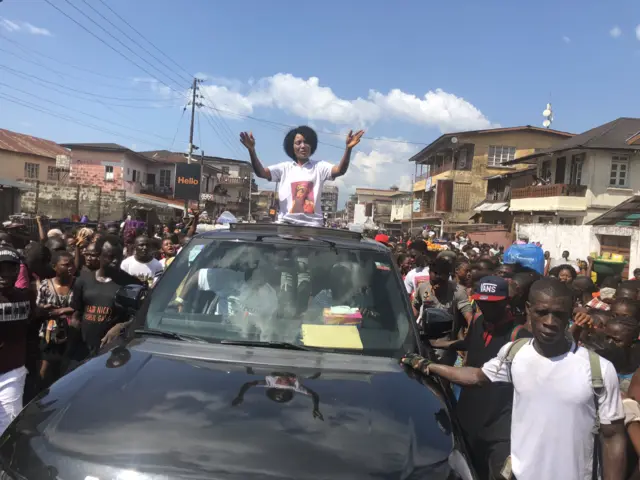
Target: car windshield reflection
[{"x": 283, "y": 292}]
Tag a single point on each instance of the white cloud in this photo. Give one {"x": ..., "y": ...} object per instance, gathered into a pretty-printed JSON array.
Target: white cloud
[
  {"x": 638, "y": 32},
  {"x": 23, "y": 27},
  {"x": 615, "y": 32},
  {"x": 566, "y": 39},
  {"x": 437, "y": 108},
  {"x": 308, "y": 99},
  {"x": 32, "y": 29},
  {"x": 380, "y": 166}
]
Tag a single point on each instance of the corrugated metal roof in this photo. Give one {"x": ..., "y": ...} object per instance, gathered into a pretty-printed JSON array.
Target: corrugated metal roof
[
  {"x": 7, "y": 182},
  {"x": 611, "y": 135},
  {"x": 378, "y": 192},
  {"x": 156, "y": 201},
  {"x": 21, "y": 143},
  {"x": 625, "y": 214},
  {"x": 492, "y": 207}
]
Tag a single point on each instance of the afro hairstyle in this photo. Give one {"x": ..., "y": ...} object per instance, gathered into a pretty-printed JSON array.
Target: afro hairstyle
[{"x": 309, "y": 135}]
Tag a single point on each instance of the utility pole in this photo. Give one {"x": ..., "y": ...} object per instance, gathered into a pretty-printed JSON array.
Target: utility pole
[{"x": 193, "y": 114}]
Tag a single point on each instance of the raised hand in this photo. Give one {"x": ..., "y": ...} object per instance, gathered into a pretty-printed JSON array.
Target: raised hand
[
  {"x": 353, "y": 139},
  {"x": 246, "y": 138}
]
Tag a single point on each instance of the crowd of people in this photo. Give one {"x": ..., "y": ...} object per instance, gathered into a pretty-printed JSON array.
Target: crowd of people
[
  {"x": 545, "y": 365},
  {"x": 58, "y": 297}
]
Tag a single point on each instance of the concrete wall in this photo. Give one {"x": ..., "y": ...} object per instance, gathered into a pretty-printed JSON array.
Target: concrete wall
[
  {"x": 579, "y": 240},
  {"x": 63, "y": 201},
  {"x": 12, "y": 165},
  {"x": 88, "y": 168}
]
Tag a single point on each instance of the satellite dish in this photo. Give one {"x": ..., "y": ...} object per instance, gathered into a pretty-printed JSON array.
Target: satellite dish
[
  {"x": 454, "y": 140},
  {"x": 546, "y": 113},
  {"x": 546, "y": 123}
]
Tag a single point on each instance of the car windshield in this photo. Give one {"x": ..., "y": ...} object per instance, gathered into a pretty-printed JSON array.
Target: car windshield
[{"x": 305, "y": 294}]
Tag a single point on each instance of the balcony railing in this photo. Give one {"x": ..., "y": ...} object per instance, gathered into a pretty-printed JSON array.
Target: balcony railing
[
  {"x": 445, "y": 167},
  {"x": 212, "y": 197},
  {"x": 498, "y": 196},
  {"x": 156, "y": 190},
  {"x": 557, "y": 190},
  {"x": 228, "y": 180}
]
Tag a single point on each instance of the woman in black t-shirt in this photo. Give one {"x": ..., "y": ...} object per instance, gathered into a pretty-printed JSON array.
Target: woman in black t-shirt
[{"x": 94, "y": 303}]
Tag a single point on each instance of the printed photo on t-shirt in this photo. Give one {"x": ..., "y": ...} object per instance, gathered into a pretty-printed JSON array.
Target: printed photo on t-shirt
[{"x": 302, "y": 197}]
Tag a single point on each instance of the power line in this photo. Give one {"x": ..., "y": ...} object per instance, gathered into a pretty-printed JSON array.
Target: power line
[
  {"x": 104, "y": 42},
  {"x": 83, "y": 92},
  {"x": 32, "y": 50},
  {"x": 81, "y": 112},
  {"x": 177, "y": 128},
  {"x": 123, "y": 44},
  {"x": 131, "y": 39},
  {"x": 145, "y": 38},
  {"x": 66, "y": 74},
  {"x": 289, "y": 126},
  {"x": 32, "y": 106}
]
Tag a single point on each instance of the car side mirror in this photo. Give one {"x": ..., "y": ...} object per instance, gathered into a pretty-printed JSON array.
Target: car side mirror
[{"x": 130, "y": 297}]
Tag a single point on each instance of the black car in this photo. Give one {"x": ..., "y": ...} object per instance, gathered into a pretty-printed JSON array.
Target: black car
[{"x": 265, "y": 351}]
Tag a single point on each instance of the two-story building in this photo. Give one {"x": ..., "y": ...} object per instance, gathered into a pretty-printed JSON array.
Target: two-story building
[
  {"x": 373, "y": 205},
  {"x": 452, "y": 171},
  {"x": 582, "y": 177}
]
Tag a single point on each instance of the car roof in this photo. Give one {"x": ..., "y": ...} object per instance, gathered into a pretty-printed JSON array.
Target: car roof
[{"x": 341, "y": 238}]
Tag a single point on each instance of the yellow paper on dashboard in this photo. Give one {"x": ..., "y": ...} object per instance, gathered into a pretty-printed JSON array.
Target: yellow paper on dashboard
[{"x": 332, "y": 336}]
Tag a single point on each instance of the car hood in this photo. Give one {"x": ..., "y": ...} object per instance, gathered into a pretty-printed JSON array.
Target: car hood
[{"x": 150, "y": 410}]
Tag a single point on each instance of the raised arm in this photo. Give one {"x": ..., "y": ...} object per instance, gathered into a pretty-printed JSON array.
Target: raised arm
[
  {"x": 246, "y": 138},
  {"x": 465, "y": 376},
  {"x": 343, "y": 166}
]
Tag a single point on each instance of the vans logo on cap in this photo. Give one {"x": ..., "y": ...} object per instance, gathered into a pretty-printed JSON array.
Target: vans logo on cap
[{"x": 488, "y": 288}]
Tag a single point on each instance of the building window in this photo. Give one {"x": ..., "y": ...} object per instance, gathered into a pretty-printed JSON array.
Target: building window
[
  {"x": 52, "y": 173},
  {"x": 568, "y": 221},
  {"x": 545, "y": 171},
  {"x": 108, "y": 173},
  {"x": 545, "y": 220},
  {"x": 462, "y": 158},
  {"x": 575, "y": 178},
  {"x": 498, "y": 155},
  {"x": 225, "y": 170},
  {"x": 134, "y": 175},
  {"x": 165, "y": 178},
  {"x": 619, "y": 171},
  {"x": 31, "y": 170}
]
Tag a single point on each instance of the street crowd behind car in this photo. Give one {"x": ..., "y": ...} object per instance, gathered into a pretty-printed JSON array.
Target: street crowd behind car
[
  {"x": 58, "y": 303},
  {"x": 545, "y": 367},
  {"x": 547, "y": 371}
]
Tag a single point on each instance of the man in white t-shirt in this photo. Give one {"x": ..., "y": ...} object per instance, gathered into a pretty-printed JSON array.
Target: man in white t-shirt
[
  {"x": 420, "y": 272},
  {"x": 142, "y": 265},
  {"x": 554, "y": 413},
  {"x": 301, "y": 180}
]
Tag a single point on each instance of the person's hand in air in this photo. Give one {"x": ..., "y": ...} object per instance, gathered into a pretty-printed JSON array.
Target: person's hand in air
[
  {"x": 246, "y": 138},
  {"x": 353, "y": 139}
]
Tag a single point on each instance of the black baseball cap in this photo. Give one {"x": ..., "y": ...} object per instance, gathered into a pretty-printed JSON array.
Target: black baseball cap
[
  {"x": 9, "y": 255},
  {"x": 491, "y": 289}
]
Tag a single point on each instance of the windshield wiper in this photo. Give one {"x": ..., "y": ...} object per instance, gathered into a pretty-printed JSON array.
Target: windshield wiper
[
  {"x": 169, "y": 335},
  {"x": 257, "y": 343}
]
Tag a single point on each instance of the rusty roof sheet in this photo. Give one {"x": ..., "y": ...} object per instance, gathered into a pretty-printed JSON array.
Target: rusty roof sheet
[{"x": 26, "y": 144}]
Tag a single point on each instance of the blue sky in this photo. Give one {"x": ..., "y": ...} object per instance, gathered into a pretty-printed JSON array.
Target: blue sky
[{"x": 405, "y": 71}]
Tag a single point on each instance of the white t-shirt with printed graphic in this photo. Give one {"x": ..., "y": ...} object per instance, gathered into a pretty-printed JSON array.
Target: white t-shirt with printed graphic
[
  {"x": 300, "y": 190},
  {"x": 414, "y": 278}
]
